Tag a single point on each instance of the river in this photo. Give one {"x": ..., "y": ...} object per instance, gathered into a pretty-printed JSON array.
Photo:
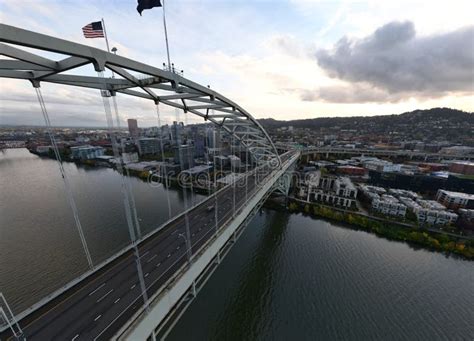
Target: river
[{"x": 289, "y": 277}]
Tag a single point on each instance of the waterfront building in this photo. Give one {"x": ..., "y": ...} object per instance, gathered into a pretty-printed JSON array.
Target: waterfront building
[
  {"x": 344, "y": 187},
  {"x": 455, "y": 200},
  {"x": 389, "y": 205},
  {"x": 129, "y": 157},
  {"x": 148, "y": 146},
  {"x": 86, "y": 152},
  {"x": 144, "y": 166},
  {"x": 43, "y": 150},
  {"x": 338, "y": 191},
  {"x": 435, "y": 217}
]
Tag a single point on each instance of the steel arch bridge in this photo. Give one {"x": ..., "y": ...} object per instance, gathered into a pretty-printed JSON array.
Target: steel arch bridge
[{"x": 147, "y": 82}]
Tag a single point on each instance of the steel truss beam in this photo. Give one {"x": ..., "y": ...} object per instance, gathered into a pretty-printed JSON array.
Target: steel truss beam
[{"x": 180, "y": 92}]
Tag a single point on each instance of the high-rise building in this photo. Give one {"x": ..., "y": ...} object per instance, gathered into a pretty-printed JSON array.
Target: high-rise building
[
  {"x": 199, "y": 146},
  {"x": 133, "y": 127},
  {"x": 184, "y": 156},
  {"x": 176, "y": 133},
  {"x": 213, "y": 138}
]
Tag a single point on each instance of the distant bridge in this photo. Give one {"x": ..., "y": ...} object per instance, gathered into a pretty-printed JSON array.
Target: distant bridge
[
  {"x": 417, "y": 155},
  {"x": 139, "y": 292}
]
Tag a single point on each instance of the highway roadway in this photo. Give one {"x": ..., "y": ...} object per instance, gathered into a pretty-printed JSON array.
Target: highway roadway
[{"x": 99, "y": 307}]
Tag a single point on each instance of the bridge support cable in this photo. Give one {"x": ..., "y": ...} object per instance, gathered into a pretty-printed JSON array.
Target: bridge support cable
[
  {"x": 11, "y": 321},
  {"x": 246, "y": 171},
  {"x": 189, "y": 161},
  {"x": 129, "y": 202},
  {"x": 67, "y": 185},
  {"x": 183, "y": 186},
  {"x": 165, "y": 173},
  {"x": 232, "y": 148}
]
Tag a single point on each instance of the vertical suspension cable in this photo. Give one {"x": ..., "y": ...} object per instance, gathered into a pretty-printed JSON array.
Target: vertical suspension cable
[
  {"x": 163, "y": 159},
  {"x": 232, "y": 171},
  {"x": 125, "y": 187},
  {"x": 185, "y": 198},
  {"x": 190, "y": 158},
  {"x": 127, "y": 171},
  {"x": 214, "y": 143},
  {"x": 246, "y": 168},
  {"x": 67, "y": 185}
]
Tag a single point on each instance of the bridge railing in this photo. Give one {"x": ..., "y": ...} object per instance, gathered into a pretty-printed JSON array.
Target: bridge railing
[{"x": 215, "y": 234}]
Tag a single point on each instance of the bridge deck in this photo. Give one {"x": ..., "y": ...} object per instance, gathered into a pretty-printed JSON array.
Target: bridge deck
[{"x": 98, "y": 306}]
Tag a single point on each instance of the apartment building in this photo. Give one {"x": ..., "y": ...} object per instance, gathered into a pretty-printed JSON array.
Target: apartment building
[
  {"x": 389, "y": 205},
  {"x": 455, "y": 200},
  {"x": 338, "y": 191}
]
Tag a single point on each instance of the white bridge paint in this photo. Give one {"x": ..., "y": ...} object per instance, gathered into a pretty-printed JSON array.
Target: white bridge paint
[{"x": 142, "y": 324}]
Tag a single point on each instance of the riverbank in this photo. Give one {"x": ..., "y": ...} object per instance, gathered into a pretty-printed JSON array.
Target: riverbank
[{"x": 435, "y": 241}]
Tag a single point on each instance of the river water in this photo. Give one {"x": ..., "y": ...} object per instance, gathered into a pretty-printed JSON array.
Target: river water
[{"x": 289, "y": 277}]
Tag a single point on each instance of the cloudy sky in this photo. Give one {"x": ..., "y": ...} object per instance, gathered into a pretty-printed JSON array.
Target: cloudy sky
[{"x": 284, "y": 59}]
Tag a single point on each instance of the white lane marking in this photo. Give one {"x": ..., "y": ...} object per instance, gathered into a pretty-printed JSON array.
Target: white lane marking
[
  {"x": 158, "y": 264},
  {"x": 174, "y": 232},
  {"x": 100, "y": 286},
  {"x": 133, "y": 286},
  {"x": 98, "y": 317},
  {"x": 177, "y": 248},
  {"x": 100, "y": 299},
  {"x": 146, "y": 275},
  {"x": 75, "y": 337},
  {"x": 194, "y": 234},
  {"x": 148, "y": 261},
  {"x": 144, "y": 254},
  {"x": 169, "y": 255},
  {"x": 133, "y": 302},
  {"x": 118, "y": 299}
]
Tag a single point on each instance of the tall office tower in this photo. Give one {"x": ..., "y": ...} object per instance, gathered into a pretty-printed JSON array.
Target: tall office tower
[
  {"x": 133, "y": 127},
  {"x": 184, "y": 156},
  {"x": 213, "y": 138}
]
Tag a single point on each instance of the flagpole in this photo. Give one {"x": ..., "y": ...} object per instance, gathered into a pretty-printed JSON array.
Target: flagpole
[
  {"x": 166, "y": 37},
  {"x": 105, "y": 34}
]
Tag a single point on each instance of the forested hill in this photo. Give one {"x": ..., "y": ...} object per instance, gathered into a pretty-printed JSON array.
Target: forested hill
[{"x": 436, "y": 117}]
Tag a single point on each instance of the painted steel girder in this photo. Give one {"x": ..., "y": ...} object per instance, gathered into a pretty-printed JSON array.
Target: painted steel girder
[{"x": 37, "y": 68}]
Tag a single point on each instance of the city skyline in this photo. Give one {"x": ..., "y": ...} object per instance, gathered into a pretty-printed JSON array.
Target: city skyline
[{"x": 291, "y": 60}]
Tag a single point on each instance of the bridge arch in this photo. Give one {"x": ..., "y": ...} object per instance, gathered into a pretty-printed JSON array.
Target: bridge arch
[{"x": 135, "y": 79}]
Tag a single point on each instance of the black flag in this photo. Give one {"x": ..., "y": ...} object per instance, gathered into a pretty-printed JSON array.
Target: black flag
[{"x": 147, "y": 4}]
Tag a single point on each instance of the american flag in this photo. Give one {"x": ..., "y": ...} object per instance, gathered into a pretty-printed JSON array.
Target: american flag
[{"x": 93, "y": 30}]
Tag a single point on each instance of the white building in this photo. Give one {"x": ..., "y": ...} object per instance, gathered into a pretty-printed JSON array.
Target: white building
[
  {"x": 389, "y": 205},
  {"x": 129, "y": 157},
  {"x": 86, "y": 152},
  {"x": 455, "y": 200},
  {"x": 435, "y": 217},
  {"x": 337, "y": 191}
]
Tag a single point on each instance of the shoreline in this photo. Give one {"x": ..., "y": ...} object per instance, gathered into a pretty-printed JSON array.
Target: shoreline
[{"x": 460, "y": 246}]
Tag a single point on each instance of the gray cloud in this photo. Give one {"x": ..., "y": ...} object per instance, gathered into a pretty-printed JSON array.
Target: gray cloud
[{"x": 394, "y": 62}]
